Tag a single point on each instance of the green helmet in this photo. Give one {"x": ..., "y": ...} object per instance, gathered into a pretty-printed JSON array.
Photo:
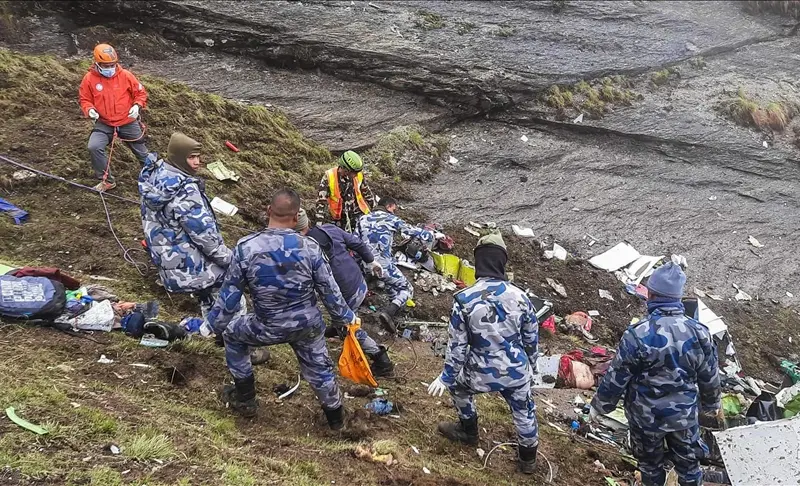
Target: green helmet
[{"x": 351, "y": 161}]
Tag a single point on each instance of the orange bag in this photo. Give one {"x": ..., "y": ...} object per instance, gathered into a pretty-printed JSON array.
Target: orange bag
[{"x": 353, "y": 363}]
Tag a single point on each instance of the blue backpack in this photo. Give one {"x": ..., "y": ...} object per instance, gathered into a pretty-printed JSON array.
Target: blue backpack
[{"x": 31, "y": 297}]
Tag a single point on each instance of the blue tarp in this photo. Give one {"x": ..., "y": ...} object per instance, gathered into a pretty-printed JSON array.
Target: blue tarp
[{"x": 18, "y": 214}]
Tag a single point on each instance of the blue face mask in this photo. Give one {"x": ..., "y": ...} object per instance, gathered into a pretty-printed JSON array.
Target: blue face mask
[{"x": 107, "y": 72}]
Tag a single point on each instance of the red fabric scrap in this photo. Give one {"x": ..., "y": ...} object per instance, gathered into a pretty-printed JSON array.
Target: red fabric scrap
[{"x": 53, "y": 273}]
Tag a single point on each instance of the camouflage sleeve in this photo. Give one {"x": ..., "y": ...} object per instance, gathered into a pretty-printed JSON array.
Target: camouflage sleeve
[
  {"x": 615, "y": 382},
  {"x": 457, "y": 346},
  {"x": 529, "y": 328},
  {"x": 200, "y": 225},
  {"x": 328, "y": 289},
  {"x": 369, "y": 196},
  {"x": 230, "y": 295},
  {"x": 708, "y": 376},
  {"x": 321, "y": 209},
  {"x": 408, "y": 230}
]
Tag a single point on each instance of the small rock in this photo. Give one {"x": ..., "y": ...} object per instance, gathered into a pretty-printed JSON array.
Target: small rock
[
  {"x": 114, "y": 449},
  {"x": 524, "y": 138},
  {"x": 209, "y": 42},
  {"x": 789, "y": 294},
  {"x": 712, "y": 198},
  {"x": 523, "y": 179},
  {"x": 480, "y": 452},
  {"x": 21, "y": 175}
]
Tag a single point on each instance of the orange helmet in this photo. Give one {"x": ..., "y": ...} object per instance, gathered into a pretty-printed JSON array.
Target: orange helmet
[{"x": 105, "y": 53}]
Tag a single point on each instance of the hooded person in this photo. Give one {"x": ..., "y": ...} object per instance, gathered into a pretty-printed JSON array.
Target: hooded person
[
  {"x": 492, "y": 347},
  {"x": 339, "y": 247},
  {"x": 665, "y": 369},
  {"x": 180, "y": 226},
  {"x": 112, "y": 98}
]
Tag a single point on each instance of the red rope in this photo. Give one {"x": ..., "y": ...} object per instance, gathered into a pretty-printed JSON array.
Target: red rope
[{"x": 116, "y": 137}]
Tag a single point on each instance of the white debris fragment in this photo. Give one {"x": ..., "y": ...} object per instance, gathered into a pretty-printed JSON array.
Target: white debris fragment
[
  {"x": 765, "y": 144},
  {"x": 605, "y": 294},
  {"x": 114, "y": 449},
  {"x": 594, "y": 313},
  {"x": 21, "y": 175},
  {"x": 452, "y": 160},
  {"x": 472, "y": 231},
  {"x": 579, "y": 119},
  {"x": 712, "y": 198},
  {"x": 789, "y": 294},
  {"x": 557, "y": 252},
  {"x": 104, "y": 360},
  {"x": 524, "y": 138},
  {"x": 741, "y": 295},
  {"x": 755, "y": 242},
  {"x": 715, "y": 297},
  {"x": 480, "y": 452},
  {"x": 426, "y": 470},
  {"x": 699, "y": 293},
  {"x": 413, "y": 448},
  {"x": 560, "y": 290},
  {"x": 522, "y": 231},
  {"x": 209, "y": 42}
]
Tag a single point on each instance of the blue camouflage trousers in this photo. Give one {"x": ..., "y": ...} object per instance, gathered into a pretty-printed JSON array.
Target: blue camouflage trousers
[
  {"x": 308, "y": 344},
  {"x": 397, "y": 285},
  {"x": 368, "y": 345},
  {"x": 519, "y": 400},
  {"x": 684, "y": 448}
]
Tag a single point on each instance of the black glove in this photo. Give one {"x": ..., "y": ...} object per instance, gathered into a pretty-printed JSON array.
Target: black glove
[{"x": 219, "y": 341}]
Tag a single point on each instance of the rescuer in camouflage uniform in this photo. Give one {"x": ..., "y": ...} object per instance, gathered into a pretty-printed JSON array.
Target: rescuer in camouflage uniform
[
  {"x": 179, "y": 225},
  {"x": 377, "y": 230},
  {"x": 665, "y": 364},
  {"x": 492, "y": 348},
  {"x": 284, "y": 272}
]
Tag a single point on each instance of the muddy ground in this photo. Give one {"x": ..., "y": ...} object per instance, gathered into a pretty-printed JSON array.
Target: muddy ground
[{"x": 668, "y": 172}]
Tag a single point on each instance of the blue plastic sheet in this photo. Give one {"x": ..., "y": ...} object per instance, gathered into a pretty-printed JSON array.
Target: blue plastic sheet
[{"x": 18, "y": 214}]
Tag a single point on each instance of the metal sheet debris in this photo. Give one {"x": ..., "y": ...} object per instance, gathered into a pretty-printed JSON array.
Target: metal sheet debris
[
  {"x": 755, "y": 242},
  {"x": 617, "y": 257},
  {"x": 546, "y": 372},
  {"x": 522, "y": 231},
  {"x": 558, "y": 252},
  {"x": 764, "y": 453}
]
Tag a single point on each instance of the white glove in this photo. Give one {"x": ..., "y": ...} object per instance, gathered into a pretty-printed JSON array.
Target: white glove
[
  {"x": 437, "y": 387},
  {"x": 93, "y": 114},
  {"x": 134, "y": 112},
  {"x": 377, "y": 270},
  {"x": 205, "y": 329}
]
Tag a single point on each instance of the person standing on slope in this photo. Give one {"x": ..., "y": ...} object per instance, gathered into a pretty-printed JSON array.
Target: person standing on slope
[
  {"x": 344, "y": 194},
  {"x": 113, "y": 98}
]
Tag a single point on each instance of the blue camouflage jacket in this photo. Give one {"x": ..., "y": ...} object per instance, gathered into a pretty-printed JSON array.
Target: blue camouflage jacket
[
  {"x": 180, "y": 228},
  {"x": 494, "y": 337},
  {"x": 377, "y": 229},
  {"x": 284, "y": 271},
  {"x": 661, "y": 365}
]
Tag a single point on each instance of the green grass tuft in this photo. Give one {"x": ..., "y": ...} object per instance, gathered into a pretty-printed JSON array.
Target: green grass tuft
[
  {"x": 465, "y": 27},
  {"x": 148, "y": 446},
  {"x": 429, "y": 20}
]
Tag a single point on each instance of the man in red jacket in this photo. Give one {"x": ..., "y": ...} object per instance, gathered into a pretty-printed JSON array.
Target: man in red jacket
[{"x": 112, "y": 97}]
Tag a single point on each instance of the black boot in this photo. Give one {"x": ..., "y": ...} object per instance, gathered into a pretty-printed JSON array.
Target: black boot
[
  {"x": 527, "y": 459},
  {"x": 382, "y": 366},
  {"x": 241, "y": 396},
  {"x": 335, "y": 417},
  {"x": 386, "y": 317},
  {"x": 465, "y": 431}
]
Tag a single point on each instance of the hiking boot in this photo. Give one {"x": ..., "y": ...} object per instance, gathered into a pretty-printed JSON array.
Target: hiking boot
[
  {"x": 104, "y": 186},
  {"x": 241, "y": 396},
  {"x": 259, "y": 356},
  {"x": 465, "y": 430},
  {"x": 386, "y": 317},
  {"x": 335, "y": 417},
  {"x": 382, "y": 366},
  {"x": 527, "y": 459}
]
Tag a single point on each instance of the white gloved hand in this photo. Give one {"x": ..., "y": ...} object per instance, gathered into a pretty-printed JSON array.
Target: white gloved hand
[
  {"x": 437, "y": 387},
  {"x": 205, "y": 329},
  {"x": 134, "y": 112},
  {"x": 377, "y": 270},
  {"x": 93, "y": 114}
]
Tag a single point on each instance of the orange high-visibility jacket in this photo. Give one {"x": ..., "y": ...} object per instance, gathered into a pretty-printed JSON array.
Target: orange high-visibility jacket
[
  {"x": 111, "y": 97},
  {"x": 335, "y": 202}
]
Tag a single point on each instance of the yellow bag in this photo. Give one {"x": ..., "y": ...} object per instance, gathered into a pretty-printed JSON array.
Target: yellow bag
[
  {"x": 466, "y": 273},
  {"x": 353, "y": 363}
]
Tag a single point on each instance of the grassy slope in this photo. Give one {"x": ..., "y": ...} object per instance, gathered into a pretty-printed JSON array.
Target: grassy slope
[{"x": 167, "y": 419}]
